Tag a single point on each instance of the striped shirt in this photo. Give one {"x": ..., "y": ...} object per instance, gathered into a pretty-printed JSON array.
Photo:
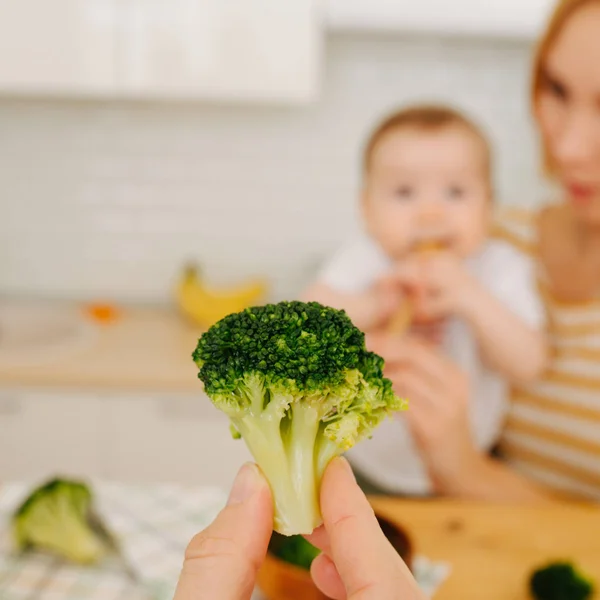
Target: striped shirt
[{"x": 552, "y": 433}]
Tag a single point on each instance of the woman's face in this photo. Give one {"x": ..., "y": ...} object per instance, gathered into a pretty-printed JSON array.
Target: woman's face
[{"x": 568, "y": 110}]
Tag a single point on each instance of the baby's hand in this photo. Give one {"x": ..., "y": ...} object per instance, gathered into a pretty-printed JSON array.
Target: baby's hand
[
  {"x": 430, "y": 331},
  {"x": 443, "y": 285},
  {"x": 387, "y": 298},
  {"x": 403, "y": 320}
]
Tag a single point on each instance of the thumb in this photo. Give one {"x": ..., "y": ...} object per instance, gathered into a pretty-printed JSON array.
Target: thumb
[
  {"x": 367, "y": 566},
  {"x": 222, "y": 561}
]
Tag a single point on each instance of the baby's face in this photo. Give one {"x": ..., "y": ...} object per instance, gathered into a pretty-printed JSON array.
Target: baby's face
[{"x": 428, "y": 187}]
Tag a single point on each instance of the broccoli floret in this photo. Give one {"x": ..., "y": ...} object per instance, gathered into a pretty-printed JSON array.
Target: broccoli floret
[
  {"x": 57, "y": 517},
  {"x": 560, "y": 581},
  {"x": 300, "y": 387}
]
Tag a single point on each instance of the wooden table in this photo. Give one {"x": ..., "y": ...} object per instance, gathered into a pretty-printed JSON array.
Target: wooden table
[
  {"x": 492, "y": 549},
  {"x": 144, "y": 349}
]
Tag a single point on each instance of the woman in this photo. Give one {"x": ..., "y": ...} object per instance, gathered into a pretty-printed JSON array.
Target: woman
[{"x": 552, "y": 435}]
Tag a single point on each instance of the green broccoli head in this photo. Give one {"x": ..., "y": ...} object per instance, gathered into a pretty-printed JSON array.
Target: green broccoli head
[
  {"x": 54, "y": 518},
  {"x": 560, "y": 581},
  {"x": 300, "y": 387}
]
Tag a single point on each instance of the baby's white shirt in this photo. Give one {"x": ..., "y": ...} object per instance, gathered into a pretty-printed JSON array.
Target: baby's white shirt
[{"x": 390, "y": 458}]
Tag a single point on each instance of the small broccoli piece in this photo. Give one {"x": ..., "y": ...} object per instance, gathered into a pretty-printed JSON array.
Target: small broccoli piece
[
  {"x": 56, "y": 517},
  {"x": 295, "y": 550},
  {"x": 300, "y": 387},
  {"x": 560, "y": 581}
]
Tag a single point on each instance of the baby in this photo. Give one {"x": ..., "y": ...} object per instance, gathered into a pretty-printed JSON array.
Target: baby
[{"x": 427, "y": 184}]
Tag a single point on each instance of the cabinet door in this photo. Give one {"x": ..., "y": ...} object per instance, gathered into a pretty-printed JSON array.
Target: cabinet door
[
  {"x": 236, "y": 50},
  {"x": 502, "y": 18},
  {"x": 58, "y": 46},
  {"x": 46, "y": 434},
  {"x": 172, "y": 439}
]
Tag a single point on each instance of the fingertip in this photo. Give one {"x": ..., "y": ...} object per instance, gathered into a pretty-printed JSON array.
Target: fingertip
[
  {"x": 338, "y": 476},
  {"x": 248, "y": 482},
  {"x": 341, "y": 463},
  {"x": 340, "y": 492},
  {"x": 318, "y": 538},
  {"x": 326, "y": 577}
]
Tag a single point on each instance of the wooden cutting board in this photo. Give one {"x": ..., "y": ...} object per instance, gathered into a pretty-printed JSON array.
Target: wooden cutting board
[{"x": 494, "y": 548}]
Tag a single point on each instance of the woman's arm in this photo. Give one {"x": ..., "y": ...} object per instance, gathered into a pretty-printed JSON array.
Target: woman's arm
[
  {"x": 481, "y": 477},
  {"x": 438, "y": 393}
]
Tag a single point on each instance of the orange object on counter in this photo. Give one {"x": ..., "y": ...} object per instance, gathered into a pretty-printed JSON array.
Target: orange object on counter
[{"x": 103, "y": 313}]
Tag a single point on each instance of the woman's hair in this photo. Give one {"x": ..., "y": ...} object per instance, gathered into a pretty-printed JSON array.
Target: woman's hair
[{"x": 563, "y": 11}]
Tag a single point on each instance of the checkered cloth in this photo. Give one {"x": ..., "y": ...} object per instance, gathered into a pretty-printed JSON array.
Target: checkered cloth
[{"x": 153, "y": 525}]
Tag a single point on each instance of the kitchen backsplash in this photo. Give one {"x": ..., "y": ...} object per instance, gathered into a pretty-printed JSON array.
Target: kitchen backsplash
[{"x": 107, "y": 200}]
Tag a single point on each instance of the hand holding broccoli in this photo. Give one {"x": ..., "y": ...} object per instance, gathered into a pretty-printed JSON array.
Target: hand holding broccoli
[
  {"x": 357, "y": 560},
  {"x": 300, "y": 387}
]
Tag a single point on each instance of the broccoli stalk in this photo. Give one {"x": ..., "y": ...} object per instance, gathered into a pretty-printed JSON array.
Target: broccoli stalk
[
  {"x": 54, "y": 518},
  {"x": 287, "y": 439},
  {"x": 300, "y": 387},
  {"x": 294, "y": 550}
]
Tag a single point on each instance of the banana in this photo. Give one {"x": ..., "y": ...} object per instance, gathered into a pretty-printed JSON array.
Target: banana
[{"x": 206, "y": 306}]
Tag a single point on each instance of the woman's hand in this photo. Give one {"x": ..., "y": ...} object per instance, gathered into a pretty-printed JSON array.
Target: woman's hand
[
  {"x": 222, "y": 561},
  {"x": 438, "y": 393},
  {"x": 368, "y": 310},
  {"x": 357, "y": 562}
]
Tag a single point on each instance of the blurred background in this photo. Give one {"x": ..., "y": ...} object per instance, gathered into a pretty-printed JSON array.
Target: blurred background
[{"x": 138, "y": 136}]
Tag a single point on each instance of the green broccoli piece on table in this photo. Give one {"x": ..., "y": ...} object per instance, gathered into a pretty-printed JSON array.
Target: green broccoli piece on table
[
  {"x": 300, "y": 387},
  {"x": 57, "y": 517},
  {"x": 560, "y": 581}
]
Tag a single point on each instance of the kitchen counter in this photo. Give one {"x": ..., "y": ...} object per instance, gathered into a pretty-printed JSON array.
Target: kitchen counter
[
  {"x": 493, "y": 549},
  {"x": 143, "y": 349}
]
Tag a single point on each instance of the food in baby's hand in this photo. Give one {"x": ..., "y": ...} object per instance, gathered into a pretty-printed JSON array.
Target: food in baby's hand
[{"x": 300, "y": 387}]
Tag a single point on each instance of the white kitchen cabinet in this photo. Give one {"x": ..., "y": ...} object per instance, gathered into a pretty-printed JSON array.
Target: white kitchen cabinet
[
  {"x": 501, "y": 18},
  {"x": 44, "y": 434},
  {"x": 171, "y": 439},
  {"x": 58, "y": 46},
  {"x": 258, "y": 50},
  {"x": 235, "y": 50}
]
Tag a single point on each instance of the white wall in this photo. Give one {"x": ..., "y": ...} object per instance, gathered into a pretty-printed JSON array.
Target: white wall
[{"x": 106, "y": 200}]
